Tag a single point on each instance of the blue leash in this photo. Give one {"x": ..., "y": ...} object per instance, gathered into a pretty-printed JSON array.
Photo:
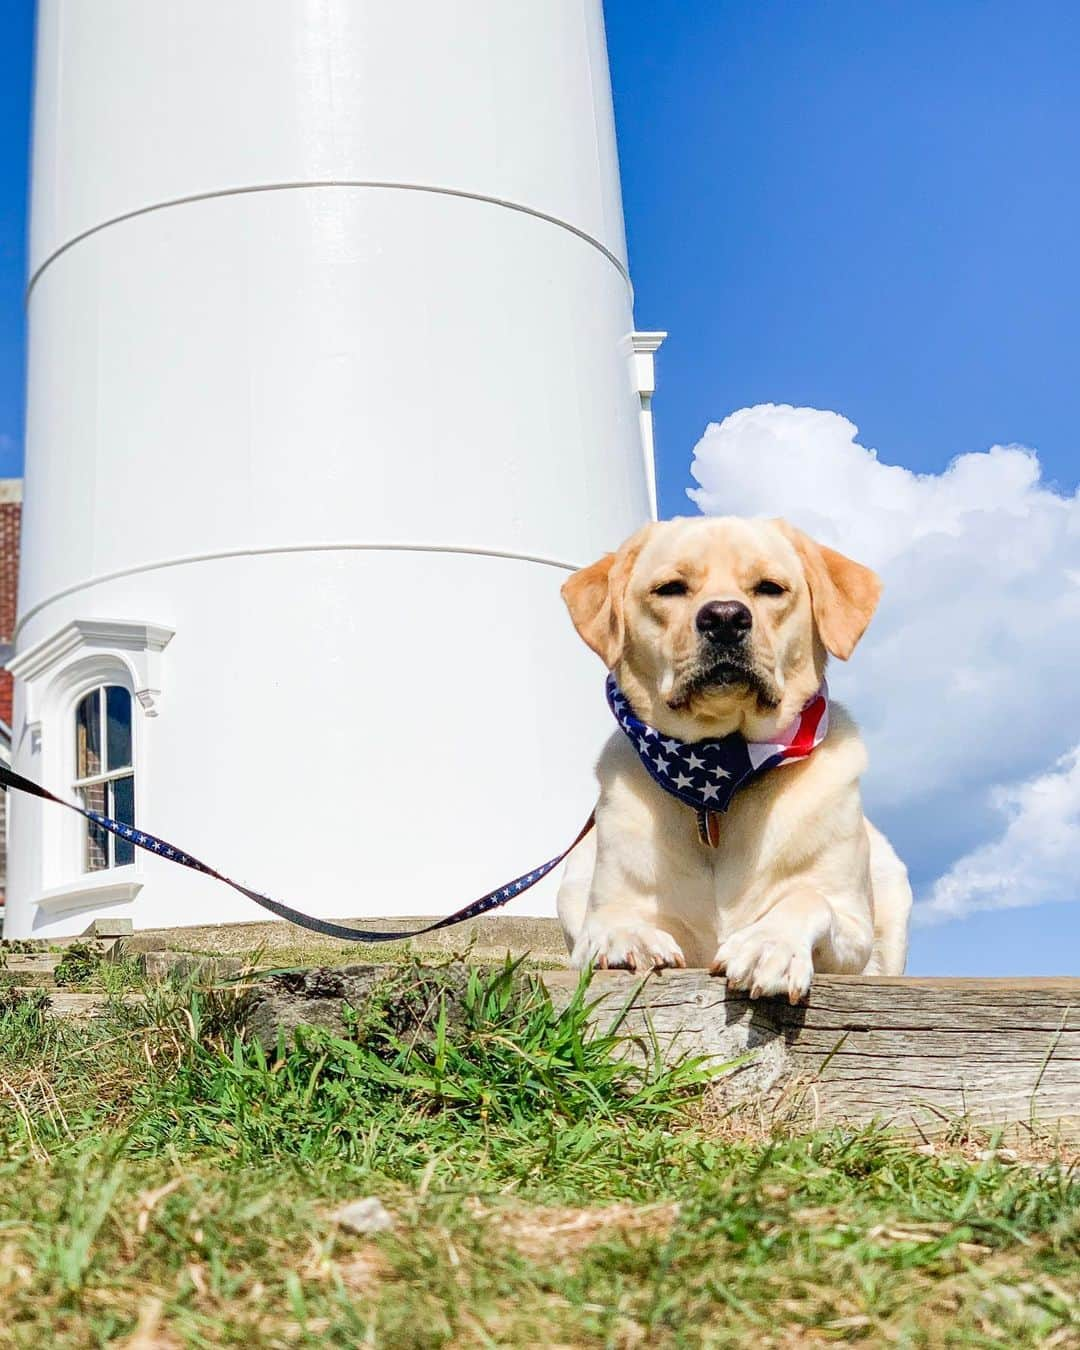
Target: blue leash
[{"x": 152, "y": 844}]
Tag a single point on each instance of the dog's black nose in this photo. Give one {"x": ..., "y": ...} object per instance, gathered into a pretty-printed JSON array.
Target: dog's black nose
[{"x": 724, "y": 621}]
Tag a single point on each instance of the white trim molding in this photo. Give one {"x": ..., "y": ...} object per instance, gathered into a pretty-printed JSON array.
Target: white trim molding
[
  {"x": 313, "y": 546},
  {"x": 52, "y": 676},
  {"x": 136, "y": 643},
  {"x": 646, "y": 346},
  {"x": 116, "y": 886}
]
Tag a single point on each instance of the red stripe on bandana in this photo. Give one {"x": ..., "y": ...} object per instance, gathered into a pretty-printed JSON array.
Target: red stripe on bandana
[{"x": 803, "y": 743}]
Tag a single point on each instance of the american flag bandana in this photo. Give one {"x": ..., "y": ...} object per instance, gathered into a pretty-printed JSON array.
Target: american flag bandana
[{"x": 705, "y": 775}]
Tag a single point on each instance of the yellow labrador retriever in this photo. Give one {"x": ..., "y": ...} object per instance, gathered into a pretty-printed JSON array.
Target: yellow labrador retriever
[{"x": 717, "y": 631}]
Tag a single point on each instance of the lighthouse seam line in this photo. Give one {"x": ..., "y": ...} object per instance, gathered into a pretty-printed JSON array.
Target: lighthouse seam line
[
  {"x": 184, "y": 559},
  {"x": 326, "y": 183}
]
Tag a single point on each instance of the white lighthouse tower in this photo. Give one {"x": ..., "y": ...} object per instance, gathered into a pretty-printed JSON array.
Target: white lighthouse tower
[{"x": 332, "y": 377}]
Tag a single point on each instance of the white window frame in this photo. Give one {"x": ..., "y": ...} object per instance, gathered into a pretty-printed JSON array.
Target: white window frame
[
  {"x": 56, "y": 674},
  {"x": 64, "y": 833},
  {"x": 106, "y": 776}
]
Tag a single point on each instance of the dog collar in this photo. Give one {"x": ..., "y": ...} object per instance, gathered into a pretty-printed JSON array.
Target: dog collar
[{"x": 705, "y": 775}]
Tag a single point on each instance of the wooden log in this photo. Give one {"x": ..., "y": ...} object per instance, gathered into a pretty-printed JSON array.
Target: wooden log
[{"x": 923, "y": 1054}]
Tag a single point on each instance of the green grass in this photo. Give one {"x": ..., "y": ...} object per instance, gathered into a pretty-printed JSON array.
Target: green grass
[{"x": 167, "y": 1181}]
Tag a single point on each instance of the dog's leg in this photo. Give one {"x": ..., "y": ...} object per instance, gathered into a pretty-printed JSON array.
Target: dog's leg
[
  {"x": 892, "y": 907},
  {"x": 621, "y": 926},
  {"x": 802, "y": 932},
  {"x": 573, "y": 900}
]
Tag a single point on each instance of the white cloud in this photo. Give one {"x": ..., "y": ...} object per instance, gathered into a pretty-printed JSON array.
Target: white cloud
[
  {"x": 1034, "y": 860},
  {"x": 967, "y": 676}
]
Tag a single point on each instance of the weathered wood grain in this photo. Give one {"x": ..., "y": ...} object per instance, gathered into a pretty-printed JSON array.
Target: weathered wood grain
[{"x": 921, "y": 1054}]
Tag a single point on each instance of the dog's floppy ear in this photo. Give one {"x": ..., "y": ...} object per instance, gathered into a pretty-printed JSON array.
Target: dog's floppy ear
[
  {"x": 594, "y": 597},
  {"x": 843, "y": 593}
]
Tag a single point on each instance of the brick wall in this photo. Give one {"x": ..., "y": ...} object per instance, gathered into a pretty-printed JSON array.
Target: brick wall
[{"x": 10, "y": 522}]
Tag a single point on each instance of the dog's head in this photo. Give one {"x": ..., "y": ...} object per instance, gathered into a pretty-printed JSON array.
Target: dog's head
[{"x": 714, "y": 625}]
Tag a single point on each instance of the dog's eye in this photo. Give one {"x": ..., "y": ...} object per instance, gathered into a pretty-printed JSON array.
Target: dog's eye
[
  {"x": 671, "y": 588},
  {"x": 769, "y": 588}
]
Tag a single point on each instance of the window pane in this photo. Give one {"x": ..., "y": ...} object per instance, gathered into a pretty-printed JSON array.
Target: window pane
[
  {"x": 88, "y": 735},
  {"x": 97, "y": 839},
  {"x": 123, "y": 810},
  {"x": 118, "y": 727}
]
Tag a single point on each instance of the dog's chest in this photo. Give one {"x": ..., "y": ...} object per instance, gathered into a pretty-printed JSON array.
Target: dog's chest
[{"x": 756, "y": 835}]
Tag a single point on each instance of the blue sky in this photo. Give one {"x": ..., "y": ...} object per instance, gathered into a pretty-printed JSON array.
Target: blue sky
[
  {"x": 15, "y": 64},
  {"x": 865, "y": 208}
]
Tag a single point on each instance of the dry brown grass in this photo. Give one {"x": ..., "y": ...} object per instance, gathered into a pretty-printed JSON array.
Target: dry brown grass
[{"x": 546, "y": 1232}]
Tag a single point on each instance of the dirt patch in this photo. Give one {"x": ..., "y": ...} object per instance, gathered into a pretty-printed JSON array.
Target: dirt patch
[
  {"x": 334, "y": 997},
  {"x": 364, "y": 1271},
  {"x": 554, "y": 1231}
]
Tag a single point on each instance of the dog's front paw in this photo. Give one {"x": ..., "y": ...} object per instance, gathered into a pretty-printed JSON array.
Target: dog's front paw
[
  {"x": 625, "y": 946},
  {"x": 767, "y": 961}
]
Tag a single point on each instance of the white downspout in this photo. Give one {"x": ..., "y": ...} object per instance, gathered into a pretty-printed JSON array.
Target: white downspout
[{"x": 645, "y": 347}]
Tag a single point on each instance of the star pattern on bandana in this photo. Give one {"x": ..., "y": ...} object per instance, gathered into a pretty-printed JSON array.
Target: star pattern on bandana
[{"x": 706, "y": 774}]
